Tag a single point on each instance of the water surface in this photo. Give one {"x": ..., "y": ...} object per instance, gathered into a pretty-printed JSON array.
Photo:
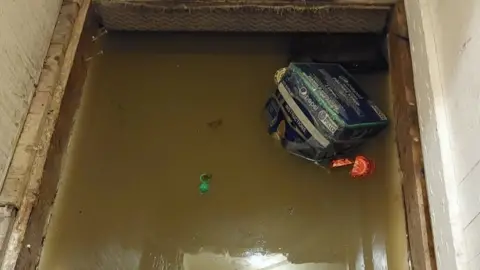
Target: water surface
[{"x": 158, "y": 111}]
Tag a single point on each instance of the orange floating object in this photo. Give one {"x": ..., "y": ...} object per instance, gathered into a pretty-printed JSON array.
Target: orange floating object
[
  {"x": 341, "y": 162},
  {"x": 362, "y": 167}
]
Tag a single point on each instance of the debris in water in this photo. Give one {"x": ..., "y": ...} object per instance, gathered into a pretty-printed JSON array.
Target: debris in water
[
  {"x": 341, "y": 162},
  {"x": 215, "y": 123},
  {"x": 91, "y": 57},
  {"x": 320, "y": 113},
  {"x": 101, "y": 33},
  {"x": 361, "y": 166},
  {"x": 277, "y": 78},
  {"x": 204, "y": 186}
]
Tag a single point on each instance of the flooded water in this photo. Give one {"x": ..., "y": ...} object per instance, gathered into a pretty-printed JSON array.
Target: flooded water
[{"x": 160, "y": 110}]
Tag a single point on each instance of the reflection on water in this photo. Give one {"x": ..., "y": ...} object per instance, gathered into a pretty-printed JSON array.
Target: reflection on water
[
  {"x": 129, "y": 197},
  {"x": 251, "y": 261},
  {"x": 117, "y": 258}
]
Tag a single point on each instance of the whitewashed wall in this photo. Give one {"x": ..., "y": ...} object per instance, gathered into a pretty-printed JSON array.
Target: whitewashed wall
[
  {"x": 445, "y": 44},
  {"x": 26, "y": 27}
]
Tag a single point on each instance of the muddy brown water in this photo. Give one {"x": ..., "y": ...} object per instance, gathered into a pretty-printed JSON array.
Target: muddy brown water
[{"x": 158, "y": 111}]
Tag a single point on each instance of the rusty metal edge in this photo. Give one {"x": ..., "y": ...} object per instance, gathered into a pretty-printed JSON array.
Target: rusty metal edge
[{"x": 44, "y": 134}]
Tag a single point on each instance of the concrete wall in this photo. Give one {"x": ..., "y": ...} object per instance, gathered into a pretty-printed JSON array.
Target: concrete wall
[
  {"x": 26, "y": 27},
  {"x": 445, "y": 44}
]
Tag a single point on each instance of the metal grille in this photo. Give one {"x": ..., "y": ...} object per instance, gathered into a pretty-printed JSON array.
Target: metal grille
[{"x": 151, "y": 15}]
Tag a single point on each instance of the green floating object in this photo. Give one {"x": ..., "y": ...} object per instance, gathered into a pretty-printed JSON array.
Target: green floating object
[{"x": 204, "y": 186}]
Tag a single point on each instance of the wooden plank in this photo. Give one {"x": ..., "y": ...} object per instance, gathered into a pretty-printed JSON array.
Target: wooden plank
[
  {"x": 398, "y": 25},
  {"x": 26, "y": 239},
  {"x": 409, "y": 146}
]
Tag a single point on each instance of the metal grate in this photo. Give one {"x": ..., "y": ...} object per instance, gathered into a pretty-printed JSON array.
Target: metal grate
[{"x": 161, "y": 15}]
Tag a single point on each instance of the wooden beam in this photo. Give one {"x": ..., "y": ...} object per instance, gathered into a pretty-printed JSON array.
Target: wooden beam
[
  {"x": 409, "y": 146},
  {"x": 398, "y": 25}
]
